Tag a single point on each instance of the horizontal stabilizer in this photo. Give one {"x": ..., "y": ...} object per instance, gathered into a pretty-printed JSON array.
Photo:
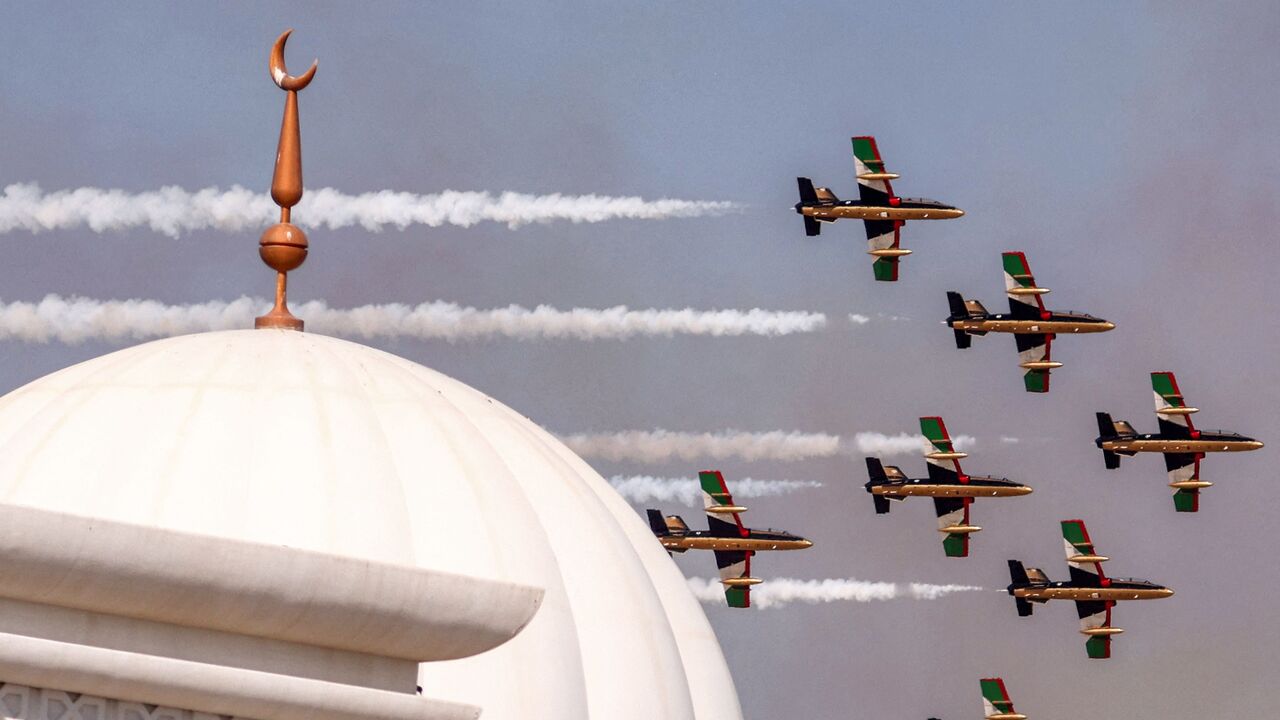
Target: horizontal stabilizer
[
  {"x": 1025, "y": 608},
  {"x": 963, "y": 339},
  {"x": 882, "y": 504},
  {"x": 812, "y": 227},
  {"x": 1110, "y": 459}
]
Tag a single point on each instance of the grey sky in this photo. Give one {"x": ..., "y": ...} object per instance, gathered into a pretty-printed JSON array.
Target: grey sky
[{"x": 1128, "y": 148}]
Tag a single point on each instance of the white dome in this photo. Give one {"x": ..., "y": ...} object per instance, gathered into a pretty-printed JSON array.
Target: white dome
[{"x": 302, "y": 440}]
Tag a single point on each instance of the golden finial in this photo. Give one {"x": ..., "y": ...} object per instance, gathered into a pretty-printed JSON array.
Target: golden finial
[{"x": 283, "y": 246}]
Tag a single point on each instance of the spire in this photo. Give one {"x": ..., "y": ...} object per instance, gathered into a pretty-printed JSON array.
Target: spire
[{"x": 283, "y": 246}]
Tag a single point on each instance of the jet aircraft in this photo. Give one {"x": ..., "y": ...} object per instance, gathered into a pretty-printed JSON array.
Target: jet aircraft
[
  {"x": 1093, "y": 592},
  {"x": 952, "y": 490},
  {"x": 882, "y": 213},
  {"x": 1033, "y": 327},
  {"x": 732, "y": 543},
  {"x": 1182, "y": 444}
]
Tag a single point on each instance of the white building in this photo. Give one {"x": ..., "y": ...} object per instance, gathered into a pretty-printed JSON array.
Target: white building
[{"x": 275, "y": 524}]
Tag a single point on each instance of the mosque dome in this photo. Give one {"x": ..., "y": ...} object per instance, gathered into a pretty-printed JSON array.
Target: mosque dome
[{"x": 293, "y": 439}]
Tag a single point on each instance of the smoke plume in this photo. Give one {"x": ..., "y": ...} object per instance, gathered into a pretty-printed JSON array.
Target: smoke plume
[
  {"x": 172, "y": 210},
  {"x": 646, "y": 488},
  {"x": 778, "y": 592},
  {"x": 874, "y": 443},
  {"x": 661, "y": 445},
  {"x": 74, "y": 320}
]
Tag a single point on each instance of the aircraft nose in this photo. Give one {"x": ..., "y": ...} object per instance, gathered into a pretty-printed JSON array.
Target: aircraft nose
[
  {"x": 1108, "y": 326},
  {"x": 1256, "y": 444},
  {"x": 1166, "y": 593},
  {"x": 806, "y": 544}
]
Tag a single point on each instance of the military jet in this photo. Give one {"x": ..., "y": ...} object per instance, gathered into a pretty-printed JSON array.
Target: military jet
[
  {"x": 732, "y": 543},
  {"x": 1093, "y": 592},
  {"x": 952, "y": 491},
  {"x": 882, "y": 213},
  {"x": 1182, "y": 444},
  {"x": 1033, "y": 327}
]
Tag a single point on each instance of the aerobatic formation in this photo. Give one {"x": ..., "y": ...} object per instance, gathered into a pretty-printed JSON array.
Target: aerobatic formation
[{"x": 1034, "y": 328}]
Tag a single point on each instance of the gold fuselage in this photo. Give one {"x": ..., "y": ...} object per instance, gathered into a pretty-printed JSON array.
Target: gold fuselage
[
  {"x": 1032, "y": 327},
  {"x": 695, "y": 542},
  {"x": 949, "y": 490},
  {"x": 879, "y": 212},
  {"x": 1180, "y": 445},
  {"x": 1092, "y": 593}
]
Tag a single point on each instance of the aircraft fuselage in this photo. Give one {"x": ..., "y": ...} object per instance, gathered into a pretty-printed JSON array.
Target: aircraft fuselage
[
  {"x": 1114, "y": 589},
  {"x": 896, "y": 209},
  {"x": 1055, "y": 323},
  {"x": 754, "y": 541},
  {"x": 975, "y": 487},
  {"x": 1201, "y": 442}
]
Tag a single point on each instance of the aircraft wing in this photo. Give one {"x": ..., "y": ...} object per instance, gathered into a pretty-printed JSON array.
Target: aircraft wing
[
  {"x": 953, "y": 512},
  {"x": 944, "y": 461},
  {"x": 1184, "y": 468},
  {"x": 735, "y": 565},
  {"x": 1034, "y": 348},
  {"x": 1082, "y": 560},
  {"x": 722, "y": 515},
  {"x": 1020, "y": 286},
  {"x": 1175, "y": 416},
  {"x": 873, "y": 181},
  {"x": 883, "y": 235},
  {"x": 995, "y": 699},
  {"x": 1095, "y": 616}
]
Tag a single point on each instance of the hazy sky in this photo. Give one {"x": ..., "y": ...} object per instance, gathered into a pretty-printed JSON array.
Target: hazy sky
[{"x": 1128, "y": 148}]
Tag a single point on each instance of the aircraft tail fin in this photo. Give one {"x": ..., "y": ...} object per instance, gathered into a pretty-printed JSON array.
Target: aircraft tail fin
[
  {"x": 656, "y": 523},
  {"x": 959, "y": 311},
  {"x": 1109, "y": 429},
  {"x": 1018, "y": 573},
  {"x": 808, "y": 194},
  {"x": 876, "y": 476},
  {"x": 1019, "y": 578}
]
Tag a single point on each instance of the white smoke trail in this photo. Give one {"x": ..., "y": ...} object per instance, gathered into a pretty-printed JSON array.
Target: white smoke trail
[
  {"x": 778, "y": 592},
  {"x": 646, "y": 488},
  {"x": 660, "y": 445},
  {"x": 874, "y": 443},
  {"x": 73, "y": 320},
  {"x": 859, "y": 319},
  {"x": 173, "y": 210}
]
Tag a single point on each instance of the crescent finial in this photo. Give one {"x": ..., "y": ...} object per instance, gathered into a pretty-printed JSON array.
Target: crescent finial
[{"x": 281, "y": 74}]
